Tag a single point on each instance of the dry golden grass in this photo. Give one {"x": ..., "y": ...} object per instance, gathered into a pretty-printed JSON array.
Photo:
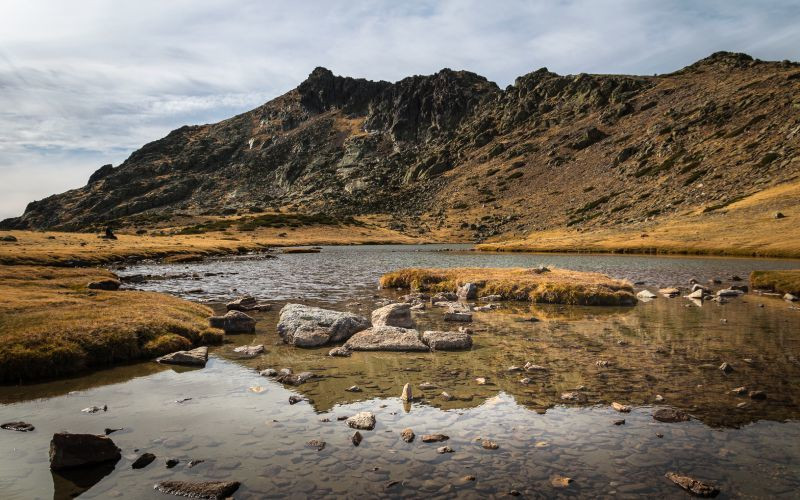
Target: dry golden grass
[
  {"x": 52, "y": 325},
  {"x": 558, "y": 286},
  {"x": 783, "y": 281},
  {"x": 745, "y": 228},
  {"x": 67, "y": 249}
]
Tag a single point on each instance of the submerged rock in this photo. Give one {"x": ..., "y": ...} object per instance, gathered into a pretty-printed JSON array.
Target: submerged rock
[
  {"x": 295, "y": 379},
  {"x": 457, "y": 315},
  {"x": 18, "y": 426},
  {"x": 143, "y": 461},
  {"x": 234, "y": 322},
  {"x": 693, "y": 486},
  {"x": 364, "y": 420},
  {"x": 306, "y": 326},
  {"x": 198, "y": 489},
  {"x": 386, "y": 338},
  {"x": 398, "y": 315},
  {"x": 670, "y": 415},
  {"x": 69, "y": 450},
  {"x": 356, "y": 438},
  {"x": 446, "y": 341},
  {"x": 434, "y": 438},
  {"x": 193, "y": 357},
  {"x": 316, "y": 444}
]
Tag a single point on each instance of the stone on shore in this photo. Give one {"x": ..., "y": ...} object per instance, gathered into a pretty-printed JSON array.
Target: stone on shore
[
  {"x": 107, "y": 284},
  {"x": 621, "y": 407},
  {"x": 193, "y": 357},
  {"x": 398, "y": 315},
  {"x": 198, "y": 489},
  {"x": 364, "y": 420},
  {"x": 249, "y": 351},
  {"x": 458, "y": 314},
  {"x": 306, "y": 326},
  {"x": 386, "y": 338},
  {"x": 646, "y": 294},
  {"x": 446, "y": 341},
  {"x": 693, "y": 486},
  {"x": 234, "y": 322},
  {"x": 69, "y": 450}
]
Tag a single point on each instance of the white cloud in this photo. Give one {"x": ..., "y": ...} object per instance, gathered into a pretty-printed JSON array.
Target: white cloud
[{"x": 84, "y": 83}]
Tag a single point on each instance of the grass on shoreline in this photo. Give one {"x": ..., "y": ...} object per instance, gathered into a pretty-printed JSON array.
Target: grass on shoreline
[
  {"x": 558, "y": 286},
  {"x": 783, "y": 281},
  {"x": 52, "y": 325}
]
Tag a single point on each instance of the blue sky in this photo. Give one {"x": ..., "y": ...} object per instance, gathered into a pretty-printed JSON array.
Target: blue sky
[{"x": 84, "y": 83}]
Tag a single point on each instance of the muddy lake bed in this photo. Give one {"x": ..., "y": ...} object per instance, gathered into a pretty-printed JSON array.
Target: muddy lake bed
[{"x": 243, "y": 428}]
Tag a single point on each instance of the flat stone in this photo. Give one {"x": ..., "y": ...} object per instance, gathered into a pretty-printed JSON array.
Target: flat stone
[
  {"x": 386, "y": 338},
  {"x": 18, "y": 426},
  {"x": 693, "y": 486},
  {"x": 340, "y": 352},
  {"x": 670, "y": 415},
  {"x": 364, "y": 420},
  {"x": 316, "y": 444},
  {"x": 446, "y": 341},
  {"x": 69, "y": 450},
  {"x": 464, "y": 317},
  {"x": 193, "y": 357},
  {"x": 198, "y": 489},
  {"x": 434, "y": 438},
  {"x": 249, "y": 351},
  {"x": 143, "y": 461},
  {"x": 306, "y": 326},
  {"x": 393, "y": 315}
]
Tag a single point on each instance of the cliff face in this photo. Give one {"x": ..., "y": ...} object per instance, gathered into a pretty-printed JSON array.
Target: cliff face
[{"x": 550, "y": 150}]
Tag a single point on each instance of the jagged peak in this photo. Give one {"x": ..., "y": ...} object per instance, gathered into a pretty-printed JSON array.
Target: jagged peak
[{"x": 723, "y": 59}]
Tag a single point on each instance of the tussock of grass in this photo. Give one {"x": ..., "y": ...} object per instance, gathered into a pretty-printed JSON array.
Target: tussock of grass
[
  {"x": 52, "y": 325},
  {"x": 559, "y": 286},
  {"x": 783, "y": 281}
]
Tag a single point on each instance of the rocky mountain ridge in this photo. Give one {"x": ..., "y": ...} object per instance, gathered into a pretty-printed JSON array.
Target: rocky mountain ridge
[{"x": 454, "y": 152}]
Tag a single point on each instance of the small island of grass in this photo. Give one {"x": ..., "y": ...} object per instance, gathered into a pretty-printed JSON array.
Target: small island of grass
[{"x": 556, "y": 286}]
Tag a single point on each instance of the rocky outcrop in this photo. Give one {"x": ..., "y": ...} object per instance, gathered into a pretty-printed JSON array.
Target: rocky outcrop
[
  {"x": 68, "y": 451},
  {"x": 393, "y": 315},
  {"x": 193, "y": 357},
  {"x": 386, "y": 338},
  {"x": 306, "y": 326}
]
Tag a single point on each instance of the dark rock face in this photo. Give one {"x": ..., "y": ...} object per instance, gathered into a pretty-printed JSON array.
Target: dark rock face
[
  {"x": 424, "y": 144},
  {"x": 69, "y": 450}
]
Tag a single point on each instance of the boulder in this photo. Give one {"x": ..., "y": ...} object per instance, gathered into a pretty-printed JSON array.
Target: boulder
[
  {"x": 386, "y": 338},
  {"x": 446, "y": 341},
  {"x": 198, "y": 489},
  {"x": 621, "y": 407},
  {"x": 295, "y": 379},
  {"x": 249, "y": 351},
  {"x": 364, "y": 420},
  {"x": 306, "y": 326},
  {"x": 458, "y": 313},
  {"x": 467, "y": 291},
  {"x": 193, "y": 357},
  {"x": 393, "y": 315},
  {"x": 444, "y": 297},
  {"x": 234, "y": 322},
  {"x": 69, "y": 450},
  {"x": 107, "y": 284},
  {"x": 697, "y": 294}
]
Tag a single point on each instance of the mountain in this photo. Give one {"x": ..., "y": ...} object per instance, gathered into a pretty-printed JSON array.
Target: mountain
[{"x": 453, "y": 151}]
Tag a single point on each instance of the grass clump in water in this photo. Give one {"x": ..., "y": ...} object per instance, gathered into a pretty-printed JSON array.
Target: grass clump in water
[
  {"x": 783, "y": 281},
  {"x": 558, "y": 286},
  {"x": 52, "y": 325}
]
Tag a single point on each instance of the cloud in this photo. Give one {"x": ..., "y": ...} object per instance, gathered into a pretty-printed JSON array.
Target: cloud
[{"x": 84, "y": 83}]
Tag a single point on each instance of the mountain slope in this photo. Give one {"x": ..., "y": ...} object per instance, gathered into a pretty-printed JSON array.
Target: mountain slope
[{"x": 455, "y": 154}]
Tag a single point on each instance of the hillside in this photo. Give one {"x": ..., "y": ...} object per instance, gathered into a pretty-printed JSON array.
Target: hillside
[{"x": 454, "y": 155}]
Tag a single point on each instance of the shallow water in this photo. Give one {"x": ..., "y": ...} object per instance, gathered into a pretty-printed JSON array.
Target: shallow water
[{"x": 242, "y": 425}]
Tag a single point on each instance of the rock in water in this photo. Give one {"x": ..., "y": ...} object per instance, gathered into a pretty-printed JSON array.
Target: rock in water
[
  {"x": 107, "y": 284},
  {"x": 364, "y": 420},
  {"x": 459, "y": 315},
  {"x": 143, "y": 461},
  {"x": 340, "y": 352},
  {"x": 316, "y": 444},
  {"x": 670, "y": 415},
  {"x": 386, "y": 338},
  {"x": 489, "y": 445},
  {"x": 69, "y": 450},
  {"x": 198, "y": 489},
  {"x": 194, "y": 357},
  {"x": 249, "y": 351},
  {"x": 444, "y": 449},
  {"x": 446, "y": 341},
  {"x": 357, "y": 438},
  {"x": 406, "y": 395},
  {"x": 18, "y": 426},
  {"x": 234, "y": 322},
  {"x": 692, "y": 485},
  {"x": 247, "y": 303},
  {"x": 434, "y": 438},
  {"x": 468, "y": 291},
  {"x": 621, "y": 407},
  {"x": 393, "y": 315},
  {"x": 306, "y": 326},
  {"x": 726, "y": 367},
  {"x": 408, "y": 435}
]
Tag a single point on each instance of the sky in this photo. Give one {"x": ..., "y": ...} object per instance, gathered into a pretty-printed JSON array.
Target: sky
[{"x": 84, "y": 83}]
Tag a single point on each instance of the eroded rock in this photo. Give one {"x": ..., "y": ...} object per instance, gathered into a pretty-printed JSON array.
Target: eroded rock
[
  {"x": 364, "y": 420},
  {"x": 234, "y": 322},
  {"x": 306, "y": 326}
]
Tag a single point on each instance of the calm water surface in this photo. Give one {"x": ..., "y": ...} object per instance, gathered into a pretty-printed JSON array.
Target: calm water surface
[{"x": 242, "y": 425}]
